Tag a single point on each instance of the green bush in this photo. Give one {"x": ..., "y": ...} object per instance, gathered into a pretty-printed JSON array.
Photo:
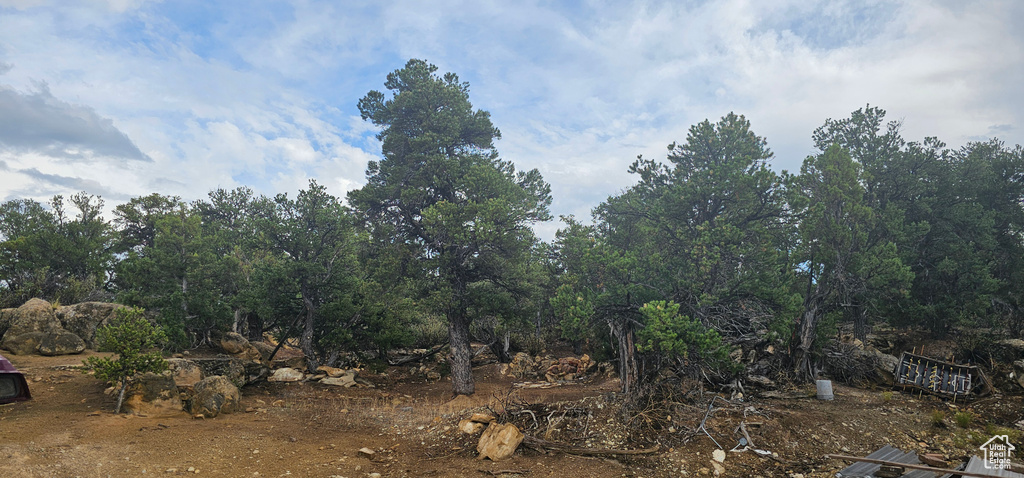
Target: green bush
[
  {"x": 677, "y": 336},
  {"x": 132, "y": 337},
  {"x": 938, "y": 418},
  {"x": 963, "y": 419}
]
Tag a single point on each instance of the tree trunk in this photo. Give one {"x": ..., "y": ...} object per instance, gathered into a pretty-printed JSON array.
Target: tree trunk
[
  {"x": 120, "y": 396},
  {"x": 500, "y": 348},
  {"x": 255, "y": 326},
  {"x": 860, "y": 322},
  {"x": 803, "y": 359},
  {"x": 625, "y": 337},
  {"x": 462, "y": 354},
  {"x": 306, "y": 339}
]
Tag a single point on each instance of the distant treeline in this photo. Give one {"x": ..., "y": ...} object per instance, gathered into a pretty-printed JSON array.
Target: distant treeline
[{"x": 709, "y": 247}]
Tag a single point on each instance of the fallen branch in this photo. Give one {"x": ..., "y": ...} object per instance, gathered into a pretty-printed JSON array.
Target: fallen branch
[
  {"x": 541, "y": 444},
  {"x": 417, "y": 357}
]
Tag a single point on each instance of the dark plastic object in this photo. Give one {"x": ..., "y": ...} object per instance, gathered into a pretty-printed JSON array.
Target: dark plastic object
[{"x": 13, "y": 387}]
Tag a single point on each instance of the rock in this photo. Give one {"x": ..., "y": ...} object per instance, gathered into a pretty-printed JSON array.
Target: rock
[
  {"x": 346, "y": 381},
  {"x": 186, "y": 373},
  {"x": 718, "y": 455},
  {"x": 23, "y": 344},
  {"x": 232, "y": 343},
  {"x": 333, "y": 372},
  {"x": 83, "y": 318},
  {"x": 499, "y": 441},
  {"x": 885, "y": 365},
  {"x": 1018, "y": 372},
  {"x": 433, "y": 376},
  {"x": 213, "y": 396},
  {"x": 481, "y": 417},
  {"x": 153, "y": 395},
  {"x": 286, "y": 375},
  {"x": 719, "y": 469},
  {"x": 470, "y": 427},
  {"x": 264, "y": 349},
  {"x": 367, "y": 452},
  {"x": 521, "y": 366},
  {"x": 36, "y": 315},
  {"x": 61, "y": 343}
]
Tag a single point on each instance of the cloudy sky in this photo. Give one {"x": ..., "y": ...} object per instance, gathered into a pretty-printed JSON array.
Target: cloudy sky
[{"x": 122, "y": 98}]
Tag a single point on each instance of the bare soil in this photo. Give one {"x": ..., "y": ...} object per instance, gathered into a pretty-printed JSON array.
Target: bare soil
[{"x": 314, "y": 430}]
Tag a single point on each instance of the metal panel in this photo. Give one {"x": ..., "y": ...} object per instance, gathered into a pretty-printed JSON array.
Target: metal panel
[
  {"x": 936, "y": 376},
  {"x": 977, "y": 465}
]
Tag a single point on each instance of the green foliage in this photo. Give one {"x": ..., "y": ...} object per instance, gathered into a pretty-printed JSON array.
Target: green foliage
[
  {"x": 963, "y": 418},
  {"x": 679, "y": 337},
  {"x": 132, "y": 337},
  {"x": 887, "y": 396},
  {"x": 938, "y": 418},
  {"x": 573, "y": 311},
  {"x": 46, "y": 252}
]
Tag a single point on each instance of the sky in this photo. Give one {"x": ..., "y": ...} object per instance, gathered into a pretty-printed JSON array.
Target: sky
[{"x": 124, "y": 98}]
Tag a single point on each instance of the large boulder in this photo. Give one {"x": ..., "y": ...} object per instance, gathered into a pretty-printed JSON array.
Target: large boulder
[
  {"x": 24, "y": 344},
  {"x": 6, "y": 315},
  {"x": 36, "y": 315},
  {"x": 153, "y": 395},
  {"x": 186, "y": 372},
  {"x": 213, "y": 396},
  {"x": 61, "y": 343},
  {"x": 84, "y": 318}
]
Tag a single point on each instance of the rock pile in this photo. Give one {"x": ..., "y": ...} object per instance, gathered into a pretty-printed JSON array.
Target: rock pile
[{"x": 552, "y": 369}]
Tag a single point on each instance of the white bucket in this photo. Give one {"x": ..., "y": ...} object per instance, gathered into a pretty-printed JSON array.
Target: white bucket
[{"x": 824, "y": 389}]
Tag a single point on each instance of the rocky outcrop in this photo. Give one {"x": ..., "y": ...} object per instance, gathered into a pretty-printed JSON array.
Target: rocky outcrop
[
  {"x": 84, "y": 318},
  {"x": 153, "y": 395},
  {"x": 61, "y": 343},
  {"x": 213, "y": 396},
  {"x": 71, "y": 329}
]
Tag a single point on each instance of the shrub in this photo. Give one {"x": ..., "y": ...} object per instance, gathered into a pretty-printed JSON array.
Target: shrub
[
  {"x": 132, "y": 337},
  {"x": 938, "y": 418},
  {"x": 963, "y": 419},
  {"x": 887, "y": 396}
]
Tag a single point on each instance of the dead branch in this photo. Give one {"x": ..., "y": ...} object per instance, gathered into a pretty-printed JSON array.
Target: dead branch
[
  {"x": 417, "y": 357},
  {"x": 538, "y": 443},
  {"x": 504, "y": 472}
]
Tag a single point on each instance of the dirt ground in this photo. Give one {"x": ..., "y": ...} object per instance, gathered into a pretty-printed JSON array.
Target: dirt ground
[{"x": 314, "y": 430}]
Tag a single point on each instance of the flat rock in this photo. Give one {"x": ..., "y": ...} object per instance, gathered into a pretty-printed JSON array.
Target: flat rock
[
  {"x": 61, "y": 343},
  {"x": 286, "y": 375}
]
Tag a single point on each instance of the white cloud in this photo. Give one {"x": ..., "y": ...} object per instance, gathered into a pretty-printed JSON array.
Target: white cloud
[{"x": 265, "y": 96}]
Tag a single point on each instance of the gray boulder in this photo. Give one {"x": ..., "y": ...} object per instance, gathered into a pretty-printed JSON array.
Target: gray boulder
[
  {"x": 84, "y": 318},
  {"x": 214, "y": 396},
  {"x": 61, "y": 343}
]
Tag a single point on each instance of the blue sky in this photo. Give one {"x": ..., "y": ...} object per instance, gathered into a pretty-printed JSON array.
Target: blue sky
[{"x": 123, "y": 98}]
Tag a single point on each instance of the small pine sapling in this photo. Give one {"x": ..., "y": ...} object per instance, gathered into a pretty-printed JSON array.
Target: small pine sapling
[{"x": 132, "y": 337}]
